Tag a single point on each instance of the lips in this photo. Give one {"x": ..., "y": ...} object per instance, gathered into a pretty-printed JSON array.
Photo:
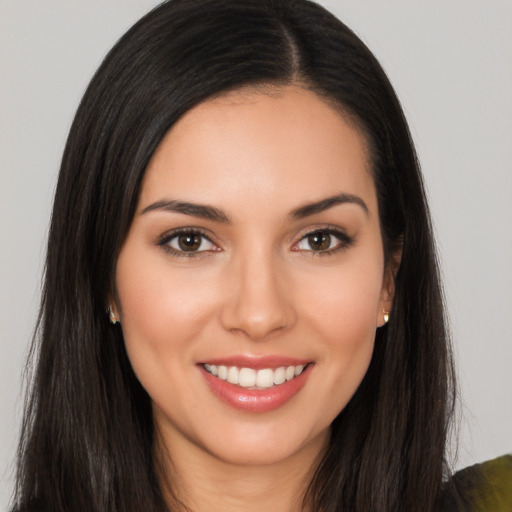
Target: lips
[{"x": 256, "y": 384}]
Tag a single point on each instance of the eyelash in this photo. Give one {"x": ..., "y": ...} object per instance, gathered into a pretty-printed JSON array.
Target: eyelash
[
  {"x": 166, "y": 239},
  {"x": 345, "y": 241}
]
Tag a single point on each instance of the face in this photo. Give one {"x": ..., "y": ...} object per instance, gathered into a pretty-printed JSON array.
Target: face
[{"x": 252, "y": 279}]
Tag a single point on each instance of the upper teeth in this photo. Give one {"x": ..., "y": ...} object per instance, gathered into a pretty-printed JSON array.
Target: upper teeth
[{"x": 251, "y": 378}]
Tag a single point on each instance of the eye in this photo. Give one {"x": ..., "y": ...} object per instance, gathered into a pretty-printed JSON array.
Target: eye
[
  {"x": 323, "y": 241},
  {"x": 191, "y": 242}
]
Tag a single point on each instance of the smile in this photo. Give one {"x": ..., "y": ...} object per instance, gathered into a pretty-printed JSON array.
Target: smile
[
  {"x": 256, "y": 385},
  {"x": 251, "y": 378}
]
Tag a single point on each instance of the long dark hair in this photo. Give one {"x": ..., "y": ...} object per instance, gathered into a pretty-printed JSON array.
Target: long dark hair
[{"x": 88, "y": 441}]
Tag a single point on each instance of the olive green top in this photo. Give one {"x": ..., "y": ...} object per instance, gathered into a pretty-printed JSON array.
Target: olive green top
[{"x": 485, "y": 487}]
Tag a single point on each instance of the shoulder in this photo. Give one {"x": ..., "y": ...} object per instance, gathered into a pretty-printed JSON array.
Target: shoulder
[{"x": 485, "y": 487}]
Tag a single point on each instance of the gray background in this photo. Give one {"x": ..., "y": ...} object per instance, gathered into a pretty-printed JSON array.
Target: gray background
[{"x": 451, "y": 64}]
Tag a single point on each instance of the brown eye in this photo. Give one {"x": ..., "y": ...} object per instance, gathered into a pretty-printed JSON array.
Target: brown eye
[
  {"x": 323, "y": 241},
  {"x": 319, "y": 241},
  {"x": 189, "y": 241}
]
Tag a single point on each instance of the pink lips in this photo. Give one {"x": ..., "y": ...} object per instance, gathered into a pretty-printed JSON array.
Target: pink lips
[{"x": 256, "y": 400}]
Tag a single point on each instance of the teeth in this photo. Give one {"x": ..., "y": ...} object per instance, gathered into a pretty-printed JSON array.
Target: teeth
[
  {"x": 258, "y": 379},
  {"x": 280, "y": 375},
  {"x": 222, "y": 372},
  {"x": 247, "y": 377},
  {"x": 233, "y": 375},
  {"x": 265, "y": 378},
  {"x": 212, "y": 369}
]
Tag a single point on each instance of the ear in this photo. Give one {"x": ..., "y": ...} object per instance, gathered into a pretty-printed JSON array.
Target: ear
[{"x": 388, "y": 286}]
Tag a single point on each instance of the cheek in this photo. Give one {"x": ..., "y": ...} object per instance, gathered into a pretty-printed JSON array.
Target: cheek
[
  {"x": 343, "y": 316},
  {"x": 162, "y": 310},
  {"x": 349, "y": 337},
  {"x": 347, "y": 324},
  {"x": 345, "y": 303}
]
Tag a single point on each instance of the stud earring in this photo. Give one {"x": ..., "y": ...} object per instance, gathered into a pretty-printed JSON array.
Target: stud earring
[
  {"x": 386, "y": 315},
  {"x": 111, "y": 315}
]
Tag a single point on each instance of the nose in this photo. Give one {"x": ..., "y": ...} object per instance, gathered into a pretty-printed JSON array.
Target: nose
[{"x": 259, "y": 299}]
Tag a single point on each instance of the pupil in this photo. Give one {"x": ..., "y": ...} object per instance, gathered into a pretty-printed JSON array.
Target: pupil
[
  {"x": 319, "y": 241},
  {"x": 189, "y": 242}
]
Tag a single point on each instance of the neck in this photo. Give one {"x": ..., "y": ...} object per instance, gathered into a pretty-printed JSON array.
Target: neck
[{"x": 201, "y": 482}]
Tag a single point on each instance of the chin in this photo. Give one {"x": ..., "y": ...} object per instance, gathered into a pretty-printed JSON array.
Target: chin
[{"x": 264, "y": 447}]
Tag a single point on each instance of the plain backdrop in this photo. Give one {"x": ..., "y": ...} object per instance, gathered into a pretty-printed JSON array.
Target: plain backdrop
[{"x": 451, "y": 64}]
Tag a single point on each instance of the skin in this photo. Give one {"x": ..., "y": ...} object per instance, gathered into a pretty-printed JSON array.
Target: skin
[{"x": 256, "y": 287}]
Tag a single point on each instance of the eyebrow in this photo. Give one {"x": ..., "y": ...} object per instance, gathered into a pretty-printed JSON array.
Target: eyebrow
[
  {"x": 211, "y": 213},
  {"x": 196, "y": 210},
  {"x": 325, "y": 204}
]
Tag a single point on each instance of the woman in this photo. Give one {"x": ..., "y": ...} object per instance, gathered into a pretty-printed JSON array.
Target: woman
[{"x": 240, "y": 193}]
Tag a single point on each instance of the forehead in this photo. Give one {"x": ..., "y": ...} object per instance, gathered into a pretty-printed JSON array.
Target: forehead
[{"x": 286, "y": 145}]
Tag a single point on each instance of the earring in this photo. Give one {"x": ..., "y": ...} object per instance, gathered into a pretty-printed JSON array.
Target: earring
[
  {"x": 386, "y": 315},
  {"x": 112, "y": 315}
]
